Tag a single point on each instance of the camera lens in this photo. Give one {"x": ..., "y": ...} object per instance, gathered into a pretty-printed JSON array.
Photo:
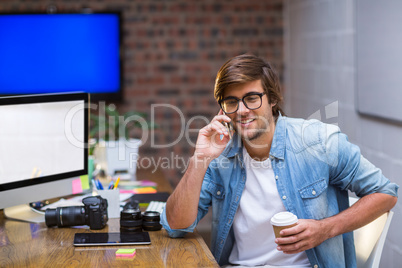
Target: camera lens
[
  {"x": 151, "y": 216},
  {"x": 151, "y": 221},
  {"x": 65, "y": 216},
  {"x": 130, "y": 220},
  {"x": 131, "y": 226},
  {"x": 130, "y": 214}
]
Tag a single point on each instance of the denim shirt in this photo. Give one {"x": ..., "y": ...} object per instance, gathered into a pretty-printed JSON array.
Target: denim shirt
[{"x": 314, "y": 167}]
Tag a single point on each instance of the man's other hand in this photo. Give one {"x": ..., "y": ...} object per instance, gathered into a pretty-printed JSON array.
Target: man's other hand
[{"x": 305, "y": 235}]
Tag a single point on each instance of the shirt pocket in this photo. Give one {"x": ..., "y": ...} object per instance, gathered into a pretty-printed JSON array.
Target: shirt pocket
[
  {"x": 315, "y": 200},
  {"x": 217, "y": 191}
]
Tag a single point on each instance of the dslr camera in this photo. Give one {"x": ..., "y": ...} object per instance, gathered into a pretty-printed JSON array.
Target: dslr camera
[{"x": 93, "y": 214}]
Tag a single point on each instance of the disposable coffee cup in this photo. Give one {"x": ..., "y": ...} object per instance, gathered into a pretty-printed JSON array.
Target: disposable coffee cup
[{"x": 283, "y": 220}]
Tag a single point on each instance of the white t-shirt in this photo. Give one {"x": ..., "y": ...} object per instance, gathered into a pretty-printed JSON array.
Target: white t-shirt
[{"x": 254, "y": 235}]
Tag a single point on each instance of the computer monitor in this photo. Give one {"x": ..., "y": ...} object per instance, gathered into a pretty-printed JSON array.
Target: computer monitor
[
  {"x": 43, "y": 148},
  {"x": 62, "y": 52}
]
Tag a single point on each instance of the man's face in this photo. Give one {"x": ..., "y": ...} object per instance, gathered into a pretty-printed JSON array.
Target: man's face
[{"x": 251, "y": 124}]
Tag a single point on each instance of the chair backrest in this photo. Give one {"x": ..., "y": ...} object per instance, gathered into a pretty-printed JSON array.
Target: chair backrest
[{"x": 370, "y": 239}]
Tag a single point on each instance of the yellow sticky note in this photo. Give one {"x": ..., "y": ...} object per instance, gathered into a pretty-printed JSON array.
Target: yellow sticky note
[
  {"x": 84, "y": 182},
  {"x": 125, "y": 251}
]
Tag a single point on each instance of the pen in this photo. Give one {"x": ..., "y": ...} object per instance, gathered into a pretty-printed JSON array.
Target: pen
[
  {"x": 110, "y": 185},
  {"x": 100, "y": 186},
  {"x": 117, "y": 183},
  {"x": 94, "y": 184}
]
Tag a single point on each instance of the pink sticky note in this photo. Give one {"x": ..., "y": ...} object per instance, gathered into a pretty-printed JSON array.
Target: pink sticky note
[
  {"x": 148, "y": 183},
  {"x": 125, "y": 255},
  {"x": 77, "y": 186},
  {"x": 123, "y": 191}
]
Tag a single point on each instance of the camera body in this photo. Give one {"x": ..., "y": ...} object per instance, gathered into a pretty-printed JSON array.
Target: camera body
[
  {"x": 96, "y": 212},
  {"x": 93, "y": 214}
]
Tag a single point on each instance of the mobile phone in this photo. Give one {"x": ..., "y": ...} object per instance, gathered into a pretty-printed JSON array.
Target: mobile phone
[
  {"x": 229, "y": 127},
  {"x": 108, "y": 239}
]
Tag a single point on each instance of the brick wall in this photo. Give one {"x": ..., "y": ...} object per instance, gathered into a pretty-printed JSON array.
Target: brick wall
[{"x": 172, "y": 51}]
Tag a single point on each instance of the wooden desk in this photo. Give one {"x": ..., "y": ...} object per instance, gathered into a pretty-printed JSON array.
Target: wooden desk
[{"x": 34, "y": 245}]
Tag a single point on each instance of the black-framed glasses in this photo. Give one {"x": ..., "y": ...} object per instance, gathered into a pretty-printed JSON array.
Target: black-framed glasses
[{"x": 251, "y": 100}]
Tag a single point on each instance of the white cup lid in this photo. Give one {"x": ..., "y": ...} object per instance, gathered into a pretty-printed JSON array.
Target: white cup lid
[{"x": 283, "y": 219}]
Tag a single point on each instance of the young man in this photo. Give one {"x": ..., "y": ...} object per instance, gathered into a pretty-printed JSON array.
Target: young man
[{"x": 271, "y": 164}]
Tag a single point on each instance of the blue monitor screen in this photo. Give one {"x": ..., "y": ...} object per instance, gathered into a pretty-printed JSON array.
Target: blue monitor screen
[{"x": 49, "y": 53}]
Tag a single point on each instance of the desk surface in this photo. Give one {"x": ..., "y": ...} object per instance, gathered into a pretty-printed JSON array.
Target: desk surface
[{"x": 25, "y": 244}]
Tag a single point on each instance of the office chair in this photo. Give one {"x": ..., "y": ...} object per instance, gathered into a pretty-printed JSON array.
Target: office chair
[{"x": 370, "y": 239}]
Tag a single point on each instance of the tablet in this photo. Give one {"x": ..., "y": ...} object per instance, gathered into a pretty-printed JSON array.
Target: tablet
[{"x": 109, "y": 239}]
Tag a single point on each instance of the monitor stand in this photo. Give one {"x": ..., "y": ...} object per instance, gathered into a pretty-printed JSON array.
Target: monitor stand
[{"x": 24, "y": 213}]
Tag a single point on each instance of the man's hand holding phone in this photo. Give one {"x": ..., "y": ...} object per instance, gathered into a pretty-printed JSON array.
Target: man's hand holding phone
[{"x": 213, "y": 138}]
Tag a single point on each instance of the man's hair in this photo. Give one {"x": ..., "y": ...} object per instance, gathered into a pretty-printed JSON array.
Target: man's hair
[{"x": 248, "y": 68}]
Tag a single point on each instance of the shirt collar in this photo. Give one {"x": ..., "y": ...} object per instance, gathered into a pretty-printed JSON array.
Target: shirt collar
[
  {"x": 278, "y": 142},
  {"x": 234, "y": 146}
]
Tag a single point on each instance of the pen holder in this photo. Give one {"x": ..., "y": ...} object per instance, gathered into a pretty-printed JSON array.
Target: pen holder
[{"x": 113, "y": 201}]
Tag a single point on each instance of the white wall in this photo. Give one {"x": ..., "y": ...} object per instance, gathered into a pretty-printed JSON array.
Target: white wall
[{"x": 320, "y": 69}]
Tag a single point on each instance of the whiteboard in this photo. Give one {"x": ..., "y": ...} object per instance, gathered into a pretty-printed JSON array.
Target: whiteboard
[{"x": 379, "y": 58}]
